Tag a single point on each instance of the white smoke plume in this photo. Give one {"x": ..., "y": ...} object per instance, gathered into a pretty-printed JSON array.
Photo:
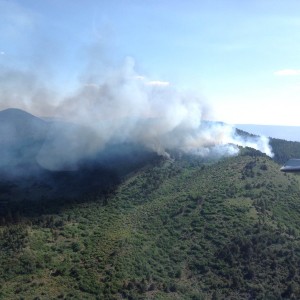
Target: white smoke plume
[
  {"x": 120, "y": 105},
  {"x": 123, "y": 106},
  {"x": 111, "y": 104}
]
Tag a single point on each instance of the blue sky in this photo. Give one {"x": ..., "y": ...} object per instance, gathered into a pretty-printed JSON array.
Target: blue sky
[{"x": 242, "y": 57}]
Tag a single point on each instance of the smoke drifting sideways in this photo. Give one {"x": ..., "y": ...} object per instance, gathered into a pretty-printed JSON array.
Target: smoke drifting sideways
[{"x": 117, "y": 106}]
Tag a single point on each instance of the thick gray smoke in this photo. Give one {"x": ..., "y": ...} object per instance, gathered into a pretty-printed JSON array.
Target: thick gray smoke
[{"x": 120, "y": 105}]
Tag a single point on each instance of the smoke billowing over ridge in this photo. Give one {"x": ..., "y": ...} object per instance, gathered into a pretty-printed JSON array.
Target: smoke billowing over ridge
[{"x": 119, "y": 105}]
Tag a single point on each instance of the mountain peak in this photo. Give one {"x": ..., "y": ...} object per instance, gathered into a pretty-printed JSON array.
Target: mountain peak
[{"x": 16, "y": 113}]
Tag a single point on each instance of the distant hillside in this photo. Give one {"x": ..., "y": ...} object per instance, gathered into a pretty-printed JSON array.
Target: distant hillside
[
  {"x": 182, "y": 229},
  {"x": 18, "y": 126},
  {"x": 21, "y": 138},
  {"x": 289, "y": 133},
  {"x": 284, "y": 150}
]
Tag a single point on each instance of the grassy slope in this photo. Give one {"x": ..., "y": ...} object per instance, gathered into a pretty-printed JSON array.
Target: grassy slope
[{"x": 176, "y": 230}]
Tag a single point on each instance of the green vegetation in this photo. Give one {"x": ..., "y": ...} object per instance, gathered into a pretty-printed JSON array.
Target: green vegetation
[
  {"x": 181, "y": 229},
  {"x": 284, "y": 150}
]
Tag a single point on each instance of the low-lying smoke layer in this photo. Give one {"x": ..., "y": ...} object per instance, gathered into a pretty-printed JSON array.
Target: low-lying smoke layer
[{"x": 121, "y": 106}]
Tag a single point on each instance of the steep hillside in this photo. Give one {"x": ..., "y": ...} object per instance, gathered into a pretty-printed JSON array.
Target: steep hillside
[{"x": 180, "y": 229}]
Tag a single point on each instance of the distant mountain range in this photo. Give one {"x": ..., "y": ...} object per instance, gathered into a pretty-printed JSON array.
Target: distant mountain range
[{"x": 289, "y": 133}]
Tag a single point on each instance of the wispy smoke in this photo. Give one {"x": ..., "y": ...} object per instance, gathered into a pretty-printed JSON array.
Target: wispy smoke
[{"x": 260, "y": 143}]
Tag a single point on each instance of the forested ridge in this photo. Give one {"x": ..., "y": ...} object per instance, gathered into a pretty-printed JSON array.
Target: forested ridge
[
  {"x": 284, "y": 150},
  {"x": 184, "y": 228}
]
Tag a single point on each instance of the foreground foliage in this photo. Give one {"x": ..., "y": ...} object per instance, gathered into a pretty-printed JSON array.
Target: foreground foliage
[{"x": 181, "y": 229}]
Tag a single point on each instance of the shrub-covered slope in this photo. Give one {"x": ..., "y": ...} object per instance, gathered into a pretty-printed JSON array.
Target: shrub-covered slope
[{"x": 174, "y": 230}]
